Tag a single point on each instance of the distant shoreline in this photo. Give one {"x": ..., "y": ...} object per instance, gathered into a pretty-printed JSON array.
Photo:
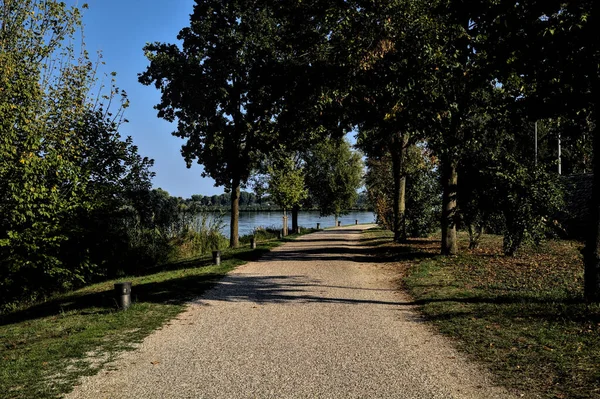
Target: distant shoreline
[{"x": 227, "y": 209}]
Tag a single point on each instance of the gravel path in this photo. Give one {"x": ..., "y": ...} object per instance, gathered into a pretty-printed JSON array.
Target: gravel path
[{"x": 315, "y": 318}]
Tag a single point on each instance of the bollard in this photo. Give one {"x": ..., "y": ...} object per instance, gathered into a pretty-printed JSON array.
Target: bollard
[
  {"x": 339, "y": 223},
  {"x": 298, "y": 230},
  {"x": 318, "y": 226},
  {"x": 123, "y": 294},
  {"x": 356, "y": 221},
  {"x": 252, "y": 243},
  {"x": 217, "y": 257},
  {"x": 279, "y": 235}
]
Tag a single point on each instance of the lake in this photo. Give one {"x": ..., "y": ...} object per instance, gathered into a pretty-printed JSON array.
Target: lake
[{"x": 251, "y": 220}]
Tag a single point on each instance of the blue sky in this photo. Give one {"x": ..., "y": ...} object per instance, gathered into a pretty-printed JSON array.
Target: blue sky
[{"x": 120, "y": 29}]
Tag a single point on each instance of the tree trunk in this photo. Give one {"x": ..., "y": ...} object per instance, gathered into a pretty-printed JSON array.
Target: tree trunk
[
  {"x": 234, "y": 239},
  {"x": 475, "y": 233},
  {"x": 295, "y": 210},
  {"x": 398, "y": 155},
  {"x": 592, "y": 249},
  {"x": 449, "y": 185}
]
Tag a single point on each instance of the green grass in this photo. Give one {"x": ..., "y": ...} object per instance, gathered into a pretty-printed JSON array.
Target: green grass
[
  {"x": 45, "y": 348},
  {"x": 524, "y": 317}
]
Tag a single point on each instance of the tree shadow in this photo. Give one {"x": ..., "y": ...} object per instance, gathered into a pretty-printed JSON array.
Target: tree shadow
[
  {"x": 274, "y": 289},
  {"x": 172, "y": 291}
]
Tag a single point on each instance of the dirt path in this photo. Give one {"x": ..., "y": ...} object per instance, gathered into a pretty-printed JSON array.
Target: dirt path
[{"x": 316, "y": 318}]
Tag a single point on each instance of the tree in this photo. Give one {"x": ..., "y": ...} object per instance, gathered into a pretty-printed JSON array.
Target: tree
[
  {"x": 422, "y": 190},
  {"x": 219, "y": 88},
  {"x": 40, "y": 108},
  {"x": 66, "y": 176},
  {"x": 388, "y": 96},
  {"x": 286, "y": 186},
  {"x": 554, "y": 85},
  {"x": 333, "y": 176}
]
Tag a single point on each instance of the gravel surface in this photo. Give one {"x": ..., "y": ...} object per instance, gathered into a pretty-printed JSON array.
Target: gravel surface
[{"x": 315, "y": 318}]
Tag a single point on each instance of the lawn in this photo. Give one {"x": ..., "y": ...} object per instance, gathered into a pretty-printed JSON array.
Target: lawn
[
  {"x": 524, "y": 317},
  {"x": 45, "y": 348}
]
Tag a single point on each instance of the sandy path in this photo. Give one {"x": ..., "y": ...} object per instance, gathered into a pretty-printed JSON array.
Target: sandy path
[{"x": 316, "y": 318}]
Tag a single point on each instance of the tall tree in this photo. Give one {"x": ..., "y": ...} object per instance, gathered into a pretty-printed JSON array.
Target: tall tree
[
  {"x": 390, "y": 81},
  {"x": 219, "y": 88},
  {"x": 556, "y": 56},
  {"x": 333, "y": 176}
]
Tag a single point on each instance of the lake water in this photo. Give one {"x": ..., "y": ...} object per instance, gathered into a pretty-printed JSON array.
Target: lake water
[{"x": 251, "y": 220}]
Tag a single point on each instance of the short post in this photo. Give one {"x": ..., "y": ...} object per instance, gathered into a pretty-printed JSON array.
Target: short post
[
  {"x": 339, "y": 223},
  {"x": 216, "y": 257},
  {"x": 123, "y": 294},
  {"x": 279, "y": 234},
  {"x": 297, "y": 230},
  {"x": 318, "y": 226},
  {"x": 356, "y": 221},
  {"x": 252, "y": 243}
]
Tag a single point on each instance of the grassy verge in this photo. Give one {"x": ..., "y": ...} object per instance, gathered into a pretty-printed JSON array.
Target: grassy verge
[
  {"x": 45, "y": 348},
  {"x": 524, "y": 316}
]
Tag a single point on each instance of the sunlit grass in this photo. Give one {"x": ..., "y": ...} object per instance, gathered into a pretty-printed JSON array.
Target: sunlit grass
[
  {"x": 44, "y": 349},
  {"x": 523, "y": 316}
]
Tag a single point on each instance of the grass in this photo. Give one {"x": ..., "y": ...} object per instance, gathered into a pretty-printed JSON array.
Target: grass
[
  {"x": 524, "y": 316},
  {"x": 46, "y": 348}
]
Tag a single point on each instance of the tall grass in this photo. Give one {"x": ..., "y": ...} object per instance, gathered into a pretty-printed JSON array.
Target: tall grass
[
  {"x": 261, "y": 233},
  {"x": 198, "y": 237}
]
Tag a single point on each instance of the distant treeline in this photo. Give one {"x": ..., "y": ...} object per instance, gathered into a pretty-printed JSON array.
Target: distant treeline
[{"x": 251, "y": 202}]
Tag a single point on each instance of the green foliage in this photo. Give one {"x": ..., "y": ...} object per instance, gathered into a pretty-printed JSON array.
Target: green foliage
[
  {"x": 333, "y": 176},
  {"x": 40, "y": 174},
  {"x": 68, "y": 181},
  {"x": 422, "y": 191},
  {"x": 286, "y": 183},
  {"x": 423, "y": 200},
  {"x": 531, "y": 198}
]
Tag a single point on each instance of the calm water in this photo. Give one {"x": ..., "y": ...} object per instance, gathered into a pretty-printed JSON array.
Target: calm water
[{"x": 250, "y": 220}]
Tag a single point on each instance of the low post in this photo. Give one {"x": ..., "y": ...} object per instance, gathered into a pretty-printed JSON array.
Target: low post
[
  {"x": 216, "y": 257},
  {"x": 356, "y": 221},
  {"x": 297, "y": 230},
  {"x": 339, "y": 223},
  {"x": 123, "y": 294},
  {"x": 318, "y": 226},
  {"x": 252, "y": 243},
  {"x": 279, "y": 234}
]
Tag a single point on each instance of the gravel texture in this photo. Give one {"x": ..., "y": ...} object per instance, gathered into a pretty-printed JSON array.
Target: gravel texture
[{"x": 315, "y": 318}]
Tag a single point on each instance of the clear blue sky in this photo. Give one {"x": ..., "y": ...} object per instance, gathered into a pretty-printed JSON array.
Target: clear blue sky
[{"x": 120, "y": 29}]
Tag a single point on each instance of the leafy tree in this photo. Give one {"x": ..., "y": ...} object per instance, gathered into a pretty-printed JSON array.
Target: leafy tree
[
  {"x": 553, "y": 85},
  {"x": 218, "y": 86},
  {"x": 286, "y": 185},
  {"x": 388, "y": 96},
  {"x": 422, "y": 191},
  {"x": 333, "y": 175},
  {"x": 67, "y": 179},
  {"x": 40, "y": 109}
]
